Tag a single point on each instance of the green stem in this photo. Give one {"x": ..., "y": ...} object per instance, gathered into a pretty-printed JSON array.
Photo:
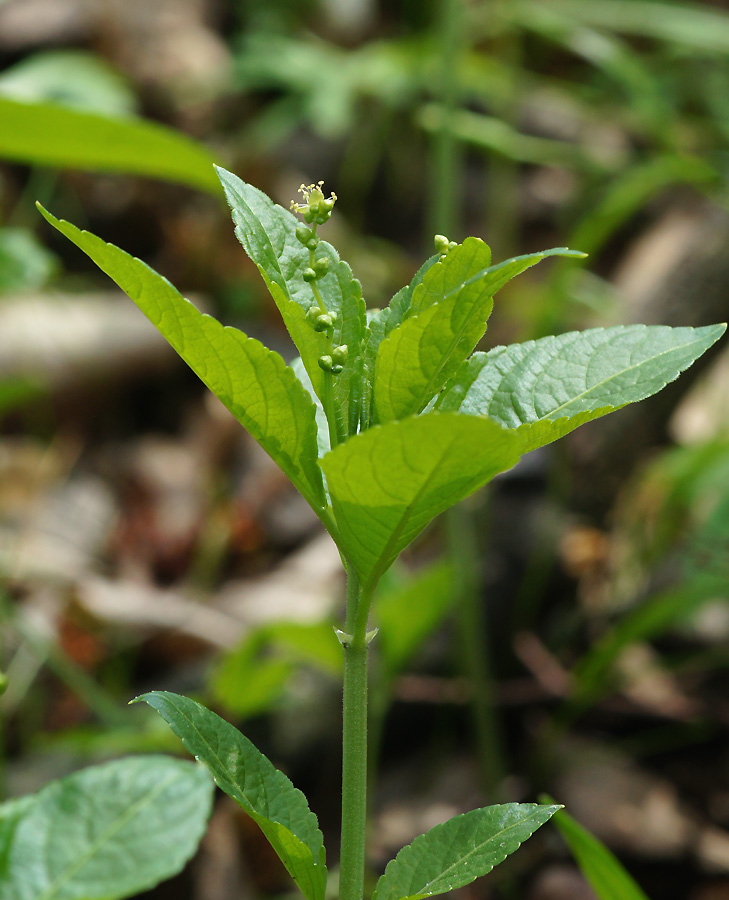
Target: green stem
[{"x": 354, "y": 749}]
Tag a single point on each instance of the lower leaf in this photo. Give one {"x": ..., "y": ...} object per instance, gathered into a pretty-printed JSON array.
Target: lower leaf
[
  {"x": 106, "y": 832},
  {"x": 457, "y": 852}
]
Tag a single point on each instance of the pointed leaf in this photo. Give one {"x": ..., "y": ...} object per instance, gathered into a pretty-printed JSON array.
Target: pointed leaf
[
  {"x": 108, "y": 831},
  {"x": 387, "y": 483},
  {"x": 47, "y": 134},
  {"x": 253, "y": 382},
  {"x": 382, "y": 322},
  {"x": 446, "y": 319},
  {"x": 606, "y": 875},
  {"x": 246, "y": 775},
  {"x": 268, "y": 234},
  {"x": 544, "y": 389},
  {"x": 457, "y": 852}
]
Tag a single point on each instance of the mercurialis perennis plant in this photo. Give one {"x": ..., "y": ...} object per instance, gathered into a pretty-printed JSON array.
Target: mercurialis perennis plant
[{"x": 383, "y": 421}]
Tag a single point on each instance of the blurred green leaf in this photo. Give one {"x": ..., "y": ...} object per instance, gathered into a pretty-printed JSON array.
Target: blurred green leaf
[
  {"x": 252, "y": 677},
  {"x": 106, "y": 832},
  {"x": 45, "y": 134},
  {"x": 457, "y": 852},
  {"x": 70, "y": 78},
  {"x": 689, "y": 25},
  {"x": 246, "y": 775},
  {"x": 606, "y": 875},
  {"x": 25, "y": 264},
  {"x": 407, "y": 613}
]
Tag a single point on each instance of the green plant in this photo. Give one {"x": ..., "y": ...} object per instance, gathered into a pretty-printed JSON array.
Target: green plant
[{"x": 382, "y": 424}]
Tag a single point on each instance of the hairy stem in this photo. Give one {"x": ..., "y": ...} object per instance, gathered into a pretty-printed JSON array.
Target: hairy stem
[{"x": 354, "y": 747}]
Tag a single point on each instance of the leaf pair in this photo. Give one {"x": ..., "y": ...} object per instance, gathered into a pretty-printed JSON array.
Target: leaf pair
[
  {"x": 103, "y": 833},
  {"x": 446, "y": 857}
]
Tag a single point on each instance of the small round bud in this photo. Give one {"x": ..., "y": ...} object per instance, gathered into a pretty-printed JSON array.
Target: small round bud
[
  {"x": 321, "y": 266},
  {"x": 336, "y": 369},
  {"x": 452, "y": 245},
  {"x": 340, "y": 354},
  {"x": 308, "y": 274},
  {"x": 312, "y": 243},
  {"x": 323, "y": 322},
  {"x": 303, "y": 234},
  {"x": 313, "y": 314},
  {"x": 325, "y": 363},
  {"x": 441, "y": 243}
]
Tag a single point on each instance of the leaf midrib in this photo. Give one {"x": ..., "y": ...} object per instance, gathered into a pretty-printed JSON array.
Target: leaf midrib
[{"x": 114, "y": 828}]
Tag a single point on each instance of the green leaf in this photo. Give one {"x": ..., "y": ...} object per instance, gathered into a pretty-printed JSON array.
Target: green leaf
[
  {"x": 25, "y": 263},
  {"x": 11, "y": 813},
  {"x": 605, "y": 874},
  {"x": 252, "y": 381},
  {"x": 382, "y": 322},
  {"x": 387, "y": 483},
  {"x": 268, "y": 235},
  {"x": 457, "y": 852},
  {"x": 46, "y": 134},
  {"x": 108, "y": 831},
  {"x": 246, "y": 775},
  {"x": 407, "y": 613},
  {"x": 71, "y": 78},
  {"x": 544, "y": 389},
  {"x": 446, "y": 319}
]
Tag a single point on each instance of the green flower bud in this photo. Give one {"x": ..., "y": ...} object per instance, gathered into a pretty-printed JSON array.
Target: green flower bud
[
  {"x": 313, "y": 314},
  {"x": 312, "y": 243},
  {"x": 323, "y": 322},
  {"x": 441, "y": 243},
  {"x": 321, "y": 267},
  {"x": 340, "y": 354},
  {"x": 325, "y": 363},
  {"x": 303, "y": 234},
  {"x": 308, "y": 274},
  {"x": 452, "y": 245},
  {"x": 336, "y": 369}
]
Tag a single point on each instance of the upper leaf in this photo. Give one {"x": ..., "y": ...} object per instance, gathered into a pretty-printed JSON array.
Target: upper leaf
[
  {"x": 457, "y": 852},
  {"x": 252, "y": 381},
  {"x": 47, "y": 134},
  {"x": 387, "y": 483},
  {"x": 446, "y": 318},
  {"x": 544, "y": 389},
  {"x": 246, "y": 775},
  {"x": 268, "y": 234},
  {"x": 106, "y": 832}
]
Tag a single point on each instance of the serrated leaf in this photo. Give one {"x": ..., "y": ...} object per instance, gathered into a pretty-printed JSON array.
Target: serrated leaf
[
  {"x": 109, "y": 831},
  {"x": 606, "y": 875},
  {"x": 544, "y": 389},
  {"x": 252, "y": 381},
  {"x": 457, "y": 852},
  {"x": 246, "y": 775},
  {"x": 268, "y": 235},
  {"x": 446, "y": 318},
  {"x": 46, "y": 134},
  {"x": 387, "y": 483}
]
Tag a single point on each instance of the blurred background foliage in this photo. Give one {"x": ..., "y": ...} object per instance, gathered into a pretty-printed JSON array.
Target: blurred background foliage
[{"x": 567, "y": 633}]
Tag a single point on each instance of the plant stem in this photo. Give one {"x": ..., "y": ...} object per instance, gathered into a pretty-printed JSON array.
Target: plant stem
[{"x": 354, "y": 748}]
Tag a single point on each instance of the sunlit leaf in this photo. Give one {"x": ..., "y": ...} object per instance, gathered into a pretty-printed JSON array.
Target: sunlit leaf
[{"x": 246, "y": 775}]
